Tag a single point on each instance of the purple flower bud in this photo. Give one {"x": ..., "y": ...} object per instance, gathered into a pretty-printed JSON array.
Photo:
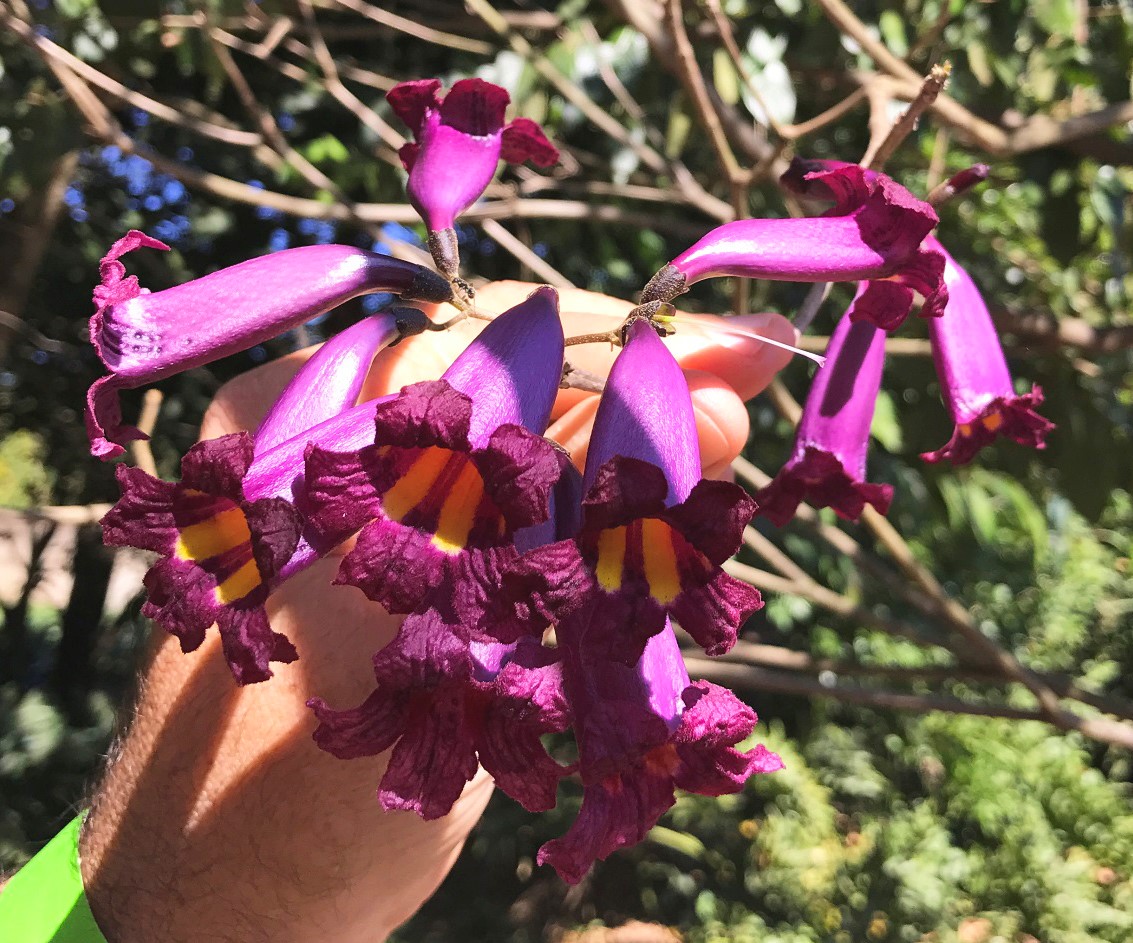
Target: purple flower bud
[
  {"x": 143, "y": 337},
  {"x": 827, "y": 468},
  {"x": 974, "y": 378},
  {"x": 459, "y": 142},
  {"x": 874, "y": 232}
]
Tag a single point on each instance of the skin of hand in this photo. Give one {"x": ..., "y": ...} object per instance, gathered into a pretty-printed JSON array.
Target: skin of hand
[{"x": 218, "y": 818}]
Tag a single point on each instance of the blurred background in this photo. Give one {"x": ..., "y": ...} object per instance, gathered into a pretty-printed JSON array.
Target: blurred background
[{"x": 951, "y": 689}]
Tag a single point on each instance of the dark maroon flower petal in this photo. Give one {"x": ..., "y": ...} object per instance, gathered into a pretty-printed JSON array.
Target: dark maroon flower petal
[
  {"x": 519, "y": 470},
  {"x": 714, "y": 611},
  {"x": 407, "y": 153},
  {"x": 883, "y": 303},
  {"x": 143, "y": 516},
  {"x": 366, "y": 730},
  {"x": 848, "y": 185},
  {"x": 819, "y": 479},
  {"x": 434, "y": 758},
  {"x": 538, "y": 589},
  {"x": 409, "y": 100},
  {"x": 180, "y": 600},
  {"x": 274, "y": 525},
  {"x": 394, "y": 565},
  {"x": 615, "y": 813},
  {"x": 624, "y": 490},
  {"x": 425, "y": 414},
  {"x": 523, "y": 139},
  {"x": 713, "y": 722},
  {"x": 338, "y": 495},
  {"x": 250, "y": 644},
  {"x": 218, "y": 466},
  {"x": 527, "y": 702},
  {"x": 475, "y": 107},
  {"x": 1010, "y": 417},
  {"x": 713, "y": 518}
]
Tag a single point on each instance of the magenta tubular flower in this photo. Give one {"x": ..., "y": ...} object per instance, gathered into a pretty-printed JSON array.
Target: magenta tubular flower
[
  {"x": 827, "y": 468},
  {"x": 460, "y": 141},
  {"x": 653, "y": 534},
  {"x": 458, "y": 469},
  {"x": 143, "y": 337},
  {"x": 445, "y": 704},
  {"x": 974, "y": 377},
  {"x": 221, "y": 551},
  {"x": 874, "y": 232},
  {"x": 643, "y": 731}
]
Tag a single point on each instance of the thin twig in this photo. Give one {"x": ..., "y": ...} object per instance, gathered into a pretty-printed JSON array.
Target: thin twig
[
  {"x": 931, "y": 87},
  {"x": 147, "y": 418},
  {"x": 693, "y": 81},
  {"x": 525, "y": 255}
]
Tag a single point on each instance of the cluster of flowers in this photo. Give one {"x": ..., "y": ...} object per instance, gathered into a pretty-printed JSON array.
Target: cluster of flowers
[{"x": 537, "y": 599}]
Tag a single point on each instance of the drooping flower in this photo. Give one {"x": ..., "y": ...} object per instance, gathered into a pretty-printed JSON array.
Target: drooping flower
[
  {"x": 221, "y": 551},
  {"x": 874, "y": 232},
  {"x": 143, "y": 337},
  {"x": 446, "y": 703},
  {"x": 644, "y": 731},
  {"x": 974, "y": 378},
  {"x": 653, "y": 533},
  {"x": 460, "y": 140},
  {"x": 227, "y": 532},
  {"x": 457, "y": 469},
  {"x": 827, "y": 468}
]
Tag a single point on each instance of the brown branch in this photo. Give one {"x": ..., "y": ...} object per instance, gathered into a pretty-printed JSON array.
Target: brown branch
[
  {"x": 1036, "y": 132},
  {"x": 544, "y": 270},
  {"x": 141, "y": 449},
  {"x": 210, "y": 129},
  {"x": 759, "y": 681},
  {"x": 598, "y": 116},
  {"x": 333, "y": 84},
  {"x": 688, "y": 71},
  {"x": 412, "y": 28},
  {"x": 267, "y": 124},
  {"x": 931, "y": 87}
]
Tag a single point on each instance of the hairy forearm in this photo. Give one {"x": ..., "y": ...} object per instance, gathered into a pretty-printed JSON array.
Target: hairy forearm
[{"x": 219, "y": 819}]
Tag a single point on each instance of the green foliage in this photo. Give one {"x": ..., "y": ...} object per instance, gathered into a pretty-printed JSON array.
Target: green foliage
[{"x": 24, "y": 480}]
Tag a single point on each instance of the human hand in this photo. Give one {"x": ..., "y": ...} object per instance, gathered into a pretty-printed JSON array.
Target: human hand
[{"x": 219, "y": 818}]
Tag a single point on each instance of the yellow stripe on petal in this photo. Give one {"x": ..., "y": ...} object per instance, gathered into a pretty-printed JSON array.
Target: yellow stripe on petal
[
  {"x": 611, "y": 558},
  {"x": 992, "y": 421},
  {"x": 458, "y": 512},
  {"x": 412, "y": 487},
  {"x": 220, "y": 533},
  {"x": 659, "y": 558},
  {"x": 239, "y": 584}
]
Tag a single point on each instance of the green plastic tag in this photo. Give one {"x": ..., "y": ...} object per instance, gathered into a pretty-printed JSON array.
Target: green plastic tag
[{"x": 44, "y": 902}]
